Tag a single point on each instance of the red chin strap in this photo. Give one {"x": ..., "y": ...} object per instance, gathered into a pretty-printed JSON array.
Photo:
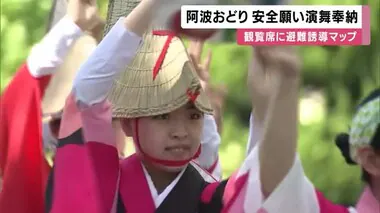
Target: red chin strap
[{"x": 169, "y": 163}]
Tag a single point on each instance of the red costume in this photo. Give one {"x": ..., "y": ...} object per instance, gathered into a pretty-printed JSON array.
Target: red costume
[{"x": 22, "y": 163}]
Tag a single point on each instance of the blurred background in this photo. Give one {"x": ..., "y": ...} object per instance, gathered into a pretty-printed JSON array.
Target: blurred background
[{"x": 335, "y": 79}]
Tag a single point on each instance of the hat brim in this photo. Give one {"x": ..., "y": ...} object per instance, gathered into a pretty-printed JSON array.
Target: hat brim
[{"x": 61, "y": 83}]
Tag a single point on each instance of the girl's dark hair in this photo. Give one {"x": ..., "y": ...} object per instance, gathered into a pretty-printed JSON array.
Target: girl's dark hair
[{"x": 342, "y": 139}]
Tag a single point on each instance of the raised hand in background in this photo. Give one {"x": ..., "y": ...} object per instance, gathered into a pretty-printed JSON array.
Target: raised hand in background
[
  {"x": 261, "y": 81},
  {"x": 216, "y": 94},
  {"x": 84, "y": 13}
]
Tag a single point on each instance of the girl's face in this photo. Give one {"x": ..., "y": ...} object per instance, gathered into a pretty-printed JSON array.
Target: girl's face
[
  {"x": 173, "y": 136},
  {"x": 369, "y": 159}
]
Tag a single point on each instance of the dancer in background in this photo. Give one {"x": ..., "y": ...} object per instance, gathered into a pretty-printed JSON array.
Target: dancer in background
[
  {"x": 361, "y": 146},
  {"x": 23, "y": 167}
]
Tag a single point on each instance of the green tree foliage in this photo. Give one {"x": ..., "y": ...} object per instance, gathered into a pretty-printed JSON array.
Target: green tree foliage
[{"x": 341, "y": 74}]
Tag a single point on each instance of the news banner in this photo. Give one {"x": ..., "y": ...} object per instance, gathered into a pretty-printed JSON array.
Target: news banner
[{"x": 284, "y": 24}]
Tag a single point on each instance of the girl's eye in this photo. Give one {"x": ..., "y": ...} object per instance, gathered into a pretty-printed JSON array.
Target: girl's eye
[
  {"x": 196, "y": 116},
  {"x": 161, "y": 117}
]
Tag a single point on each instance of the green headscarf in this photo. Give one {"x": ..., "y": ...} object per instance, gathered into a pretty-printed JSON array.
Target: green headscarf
[{"x": 364, "y": 125}]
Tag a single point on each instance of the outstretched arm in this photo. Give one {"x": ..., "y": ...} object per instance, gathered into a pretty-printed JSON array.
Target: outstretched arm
[
  {"x": 277, "y": 150},
  {"x": 275, "y": 170},
  {"x": 259, "y": 99},
  {"x": 46, "y": 56},
  {"x": 272, "y": 171}
]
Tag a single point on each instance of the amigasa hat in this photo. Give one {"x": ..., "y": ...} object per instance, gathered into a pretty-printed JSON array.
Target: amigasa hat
[{"x": 160, "y": 79}]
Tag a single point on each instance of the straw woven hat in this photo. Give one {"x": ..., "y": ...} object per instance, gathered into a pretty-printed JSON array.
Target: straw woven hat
[
  {"x": 138, "y": 92},
  {"x": 117, "y": 9},
  {"x": 150, "y": 86}
]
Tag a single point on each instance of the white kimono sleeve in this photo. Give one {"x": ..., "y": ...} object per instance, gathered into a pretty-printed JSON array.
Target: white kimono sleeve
[
  {"x": 113, "y": 54},
  {"x": 295, "y": 193},
  {"x": 210, "y": 143},
  {"x": 46, "y": 56}
]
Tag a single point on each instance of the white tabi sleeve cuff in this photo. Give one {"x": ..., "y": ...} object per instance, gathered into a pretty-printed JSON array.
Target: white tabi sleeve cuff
[
  {"x": 294, "y": 194},
  {"x": 112, "y": 55},
  {"x": 210, "y": 142},
  {"x": 46, "y": 56}
]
